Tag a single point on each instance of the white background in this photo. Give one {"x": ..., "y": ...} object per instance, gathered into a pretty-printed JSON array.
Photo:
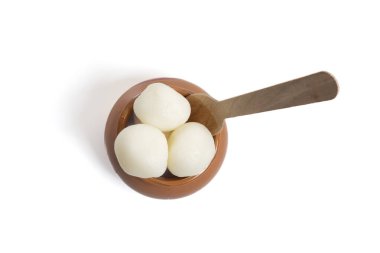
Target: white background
[{"x": 305, "y": 179}]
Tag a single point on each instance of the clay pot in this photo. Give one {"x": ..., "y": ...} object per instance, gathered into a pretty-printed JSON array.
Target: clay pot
[{"x": 167, "y": 186}]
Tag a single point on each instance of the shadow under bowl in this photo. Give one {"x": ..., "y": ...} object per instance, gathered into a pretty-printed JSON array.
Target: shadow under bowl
[{"x": 167, "y": 186}]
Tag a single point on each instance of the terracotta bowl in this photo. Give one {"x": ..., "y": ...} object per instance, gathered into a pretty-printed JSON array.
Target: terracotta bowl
[{"x": 167, "y": 186}]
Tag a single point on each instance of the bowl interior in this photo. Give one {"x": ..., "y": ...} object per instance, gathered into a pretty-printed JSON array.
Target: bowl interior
[{"x": 168, "y": 185}]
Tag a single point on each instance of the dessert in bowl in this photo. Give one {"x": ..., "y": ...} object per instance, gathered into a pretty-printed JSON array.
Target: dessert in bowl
[{"x": 167, "y": 185}]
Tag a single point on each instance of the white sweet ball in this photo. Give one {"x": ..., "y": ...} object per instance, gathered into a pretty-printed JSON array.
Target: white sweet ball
[
  {"x": 161, "y": 106},
  {"x": 142, "y": 151},
  {"x": 191, "y": 149}
]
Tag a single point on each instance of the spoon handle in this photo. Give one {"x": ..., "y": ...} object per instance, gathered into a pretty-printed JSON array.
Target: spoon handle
[{"x": 314, "y": 88}]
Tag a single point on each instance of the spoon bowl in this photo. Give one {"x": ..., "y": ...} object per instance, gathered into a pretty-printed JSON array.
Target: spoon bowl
[{"x": 167, "y": 186}]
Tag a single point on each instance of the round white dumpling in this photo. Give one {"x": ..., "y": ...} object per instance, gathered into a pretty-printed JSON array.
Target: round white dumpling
[
  {"x": 191, "y": 149},
  {"x": 142, "y": 151},
  {"x": 161, "y": 106}
]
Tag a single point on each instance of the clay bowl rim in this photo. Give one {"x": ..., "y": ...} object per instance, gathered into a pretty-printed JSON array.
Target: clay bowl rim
[{"x": 122, "y": 115}]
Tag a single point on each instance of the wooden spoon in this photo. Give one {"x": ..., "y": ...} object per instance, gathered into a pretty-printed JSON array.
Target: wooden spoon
[{"x": 314, "y": 88}]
